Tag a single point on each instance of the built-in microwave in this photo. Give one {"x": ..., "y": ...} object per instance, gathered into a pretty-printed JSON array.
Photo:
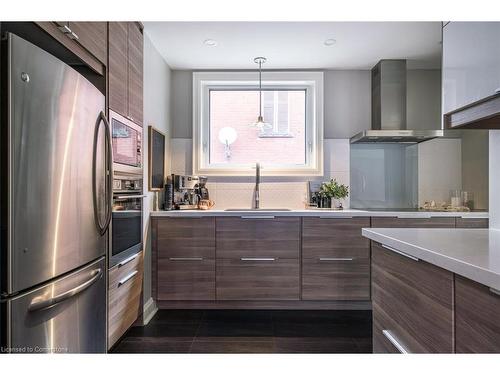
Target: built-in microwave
[{"x": 127, "y": 144}]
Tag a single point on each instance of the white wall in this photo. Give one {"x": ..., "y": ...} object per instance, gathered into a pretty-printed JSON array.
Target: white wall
[
  {"x": 439, "y": 169},
  {"x": 347, "y": 99},
  {"x": 157, "y": 104},
  {"x": 494, "y": 176}
]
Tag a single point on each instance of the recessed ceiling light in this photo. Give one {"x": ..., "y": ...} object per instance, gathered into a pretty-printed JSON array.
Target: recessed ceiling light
[
  {"x": 329, "y": 42},
  {"x": 210, "y": 42}
]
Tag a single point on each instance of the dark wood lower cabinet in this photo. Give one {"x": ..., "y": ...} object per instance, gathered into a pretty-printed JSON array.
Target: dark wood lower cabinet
[
  {"x": 399, "y": 222},
  {"x": 184, "y": 259},
  {"x": 186, "y": 279},
  {"x": 336, "y": 279},
  {"x": 412, "y": 303},
  {"x": 477, "y": 314},
  {"x": 472, "y": 222},
  {"x": 258, "y": 279}
]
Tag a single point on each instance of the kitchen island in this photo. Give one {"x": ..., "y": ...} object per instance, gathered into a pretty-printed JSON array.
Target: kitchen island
[{"x": 435, "y": 290}]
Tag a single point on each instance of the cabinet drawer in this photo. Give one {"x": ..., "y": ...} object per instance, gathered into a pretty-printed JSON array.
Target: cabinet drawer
[
  {"x": 334, "y": 237},
  {"x": 471, "y": 223},
  {"x": 395, "y": 222},
  {"x": 382, "y": 344},
  {"x": 336, "y": 279},
  {"x": 477, "y": 309},
  {"x": 275, "y": 237},
  {"x": 413, "y": 300},
  {"x": 258, "y": 279},
  {"x": 186, "y": 278},
  {"x": 124, "y": 296},
  {"x": 186, "y": 237}
]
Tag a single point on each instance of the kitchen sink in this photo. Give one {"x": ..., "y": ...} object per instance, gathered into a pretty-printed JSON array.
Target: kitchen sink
[{"x": 257, "y": 209}]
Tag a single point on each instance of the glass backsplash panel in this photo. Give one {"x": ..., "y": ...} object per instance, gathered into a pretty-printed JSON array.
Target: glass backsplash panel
[{"x": 384, "y": 175}]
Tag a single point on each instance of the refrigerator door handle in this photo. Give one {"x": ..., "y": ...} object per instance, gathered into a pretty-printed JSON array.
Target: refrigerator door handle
[
  {"x": 109, "y": 171},
  {"x": 37, "y": 304},
  {"x": 102, "y": 227}
]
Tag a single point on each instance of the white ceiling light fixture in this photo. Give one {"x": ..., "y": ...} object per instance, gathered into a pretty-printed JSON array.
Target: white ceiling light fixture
[
  {"x": 210, "y": 42},
  {"x": 329, "y": 42},
  {"x": 260, "y": 123}
]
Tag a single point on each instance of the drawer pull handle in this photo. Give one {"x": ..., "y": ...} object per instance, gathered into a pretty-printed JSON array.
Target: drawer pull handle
[
  {"x": 335, "y": 259},
  {"x": 73, "y": 36},
  {"x": 128, "y": 260},
  {"x": 495, "y": 291},
  {"x": 394, "y": 342},
  {"x": 192, "y": 258},
  {"x": 335, "y": 217},
  {"x": 257, "y": 217},
  {"x": 64, "y": 29},
  {"x": 401, "y": 253},
  {"x": 127, "y": 278},
  {"x": 258, "y": 259}
]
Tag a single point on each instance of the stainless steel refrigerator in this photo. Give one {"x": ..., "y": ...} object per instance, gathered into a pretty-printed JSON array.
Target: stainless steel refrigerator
[{"x": 55, "y": 204}]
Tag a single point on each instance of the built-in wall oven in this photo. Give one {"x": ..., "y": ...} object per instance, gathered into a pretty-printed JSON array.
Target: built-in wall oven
[
  {"x": 126, "y": 224},
  {"x": 127, "y": 144}
]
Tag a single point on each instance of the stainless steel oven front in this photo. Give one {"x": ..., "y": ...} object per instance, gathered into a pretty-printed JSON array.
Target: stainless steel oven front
[
  {"x": 126, "y": 223},
  {"x": 127, "y": 144}
]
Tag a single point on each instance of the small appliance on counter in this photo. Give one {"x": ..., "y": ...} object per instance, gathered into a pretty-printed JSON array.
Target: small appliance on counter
[{"x": 189, "y": 193}]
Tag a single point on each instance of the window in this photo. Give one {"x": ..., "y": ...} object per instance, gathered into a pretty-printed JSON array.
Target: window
[
  {"x": 275, "y": 108},
  {"x": 226, "y": 140}
]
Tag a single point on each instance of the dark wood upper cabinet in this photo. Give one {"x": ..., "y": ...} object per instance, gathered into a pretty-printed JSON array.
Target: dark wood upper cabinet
[
  {"x": 86, "y": 40},
  {"x": 477, "y": 326},
  {"x": 135, "y": 73},
  {"x": 126, "y": 70},
  {"x": 118, "y": 67},
  {"x": 93, "y": 37},
  {"x": 471, "y": 77}
]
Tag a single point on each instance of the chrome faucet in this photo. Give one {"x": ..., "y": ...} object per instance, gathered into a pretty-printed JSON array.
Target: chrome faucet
[{"x": 257, "y": 189}]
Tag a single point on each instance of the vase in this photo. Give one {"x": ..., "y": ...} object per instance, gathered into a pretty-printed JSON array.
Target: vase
[{"x": 337, "y": 204}]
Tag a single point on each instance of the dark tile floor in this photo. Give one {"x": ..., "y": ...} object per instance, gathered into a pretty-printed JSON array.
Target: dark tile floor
[{"x": 251, "y": 331}]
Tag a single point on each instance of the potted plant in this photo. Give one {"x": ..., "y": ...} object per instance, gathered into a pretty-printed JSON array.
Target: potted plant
[{"x": 335, "y": 192}]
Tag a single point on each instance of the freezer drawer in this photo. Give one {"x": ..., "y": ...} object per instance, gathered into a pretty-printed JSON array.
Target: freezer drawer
[{"x": 66, "y": 316}]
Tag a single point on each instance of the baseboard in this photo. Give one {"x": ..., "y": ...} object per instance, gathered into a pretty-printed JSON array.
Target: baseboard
[
  {"x": 149, "y": 311},
  {"x": 267, "y": 305}
]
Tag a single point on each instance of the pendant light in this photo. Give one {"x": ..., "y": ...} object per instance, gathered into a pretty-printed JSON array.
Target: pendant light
[{"x": 260, "y": 123}]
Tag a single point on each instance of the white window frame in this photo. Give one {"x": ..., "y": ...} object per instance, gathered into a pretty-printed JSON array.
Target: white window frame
[{"x": 312, "y": 82}]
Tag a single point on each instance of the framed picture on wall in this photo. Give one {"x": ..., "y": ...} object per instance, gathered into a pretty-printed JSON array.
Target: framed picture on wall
[{"x": 156, "y": 148}]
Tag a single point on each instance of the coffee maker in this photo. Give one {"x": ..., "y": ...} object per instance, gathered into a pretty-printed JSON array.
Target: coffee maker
[{"x": 188, "y": 191}]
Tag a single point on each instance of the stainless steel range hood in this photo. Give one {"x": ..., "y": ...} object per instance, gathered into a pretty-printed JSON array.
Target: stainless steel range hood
[
  {"x": 389, "y": 108},
  {"x": 396, "y": 136}
]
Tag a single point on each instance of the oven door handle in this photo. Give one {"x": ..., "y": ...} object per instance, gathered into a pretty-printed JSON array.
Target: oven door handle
[
  {"x": 129, "y": 196},
  {"x": 103, "y": 227}
]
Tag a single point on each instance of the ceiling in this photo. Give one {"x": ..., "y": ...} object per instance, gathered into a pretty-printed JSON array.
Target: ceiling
[{"x": 296, "y": 45}]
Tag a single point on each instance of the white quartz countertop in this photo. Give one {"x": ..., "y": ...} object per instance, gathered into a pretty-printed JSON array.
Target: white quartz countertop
[
  {"x": 471, "y": 253},
  {"x": 319, "y": 212}
]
